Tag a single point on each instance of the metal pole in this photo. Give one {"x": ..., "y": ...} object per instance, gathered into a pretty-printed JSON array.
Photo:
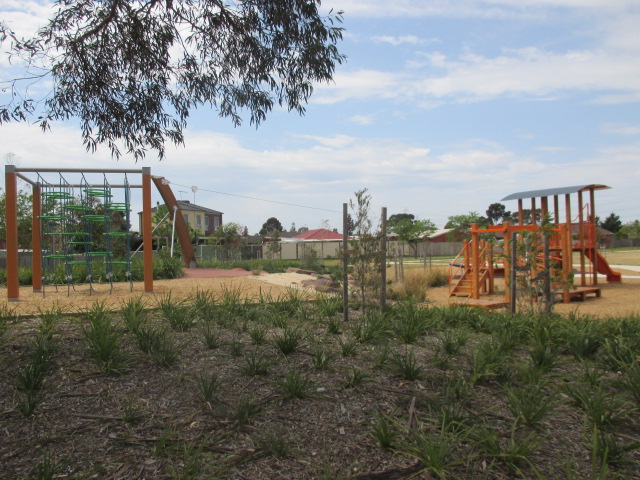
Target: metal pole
[
  {"x": 147, "y": 230},
  {"x": 345, "y": 263},
  {"x": 36, "y": 246}
]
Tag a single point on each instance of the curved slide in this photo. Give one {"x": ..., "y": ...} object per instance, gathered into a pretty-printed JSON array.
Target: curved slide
[{"x": 604, "y": 268}]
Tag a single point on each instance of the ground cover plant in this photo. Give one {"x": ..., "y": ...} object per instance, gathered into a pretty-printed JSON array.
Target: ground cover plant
[{"x": 216, "y": 387}]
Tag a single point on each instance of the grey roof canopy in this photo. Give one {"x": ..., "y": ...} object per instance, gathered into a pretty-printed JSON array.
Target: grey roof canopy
[{"x": 549, "y": 192}]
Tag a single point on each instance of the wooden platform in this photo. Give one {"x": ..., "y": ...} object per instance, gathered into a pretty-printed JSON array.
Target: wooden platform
[
  {"x": 580, "y": 292},
  {"x": 482, "y": 303}
]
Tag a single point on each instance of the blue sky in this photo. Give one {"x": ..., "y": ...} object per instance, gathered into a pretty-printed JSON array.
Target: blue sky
[{"x": 443, "y": 107}]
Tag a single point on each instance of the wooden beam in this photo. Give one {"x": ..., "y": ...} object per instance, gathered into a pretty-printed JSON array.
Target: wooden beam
[{"x": 11, "y": 225}]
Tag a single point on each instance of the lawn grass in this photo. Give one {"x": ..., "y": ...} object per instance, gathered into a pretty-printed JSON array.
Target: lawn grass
[{"x": 277, "y": 391}]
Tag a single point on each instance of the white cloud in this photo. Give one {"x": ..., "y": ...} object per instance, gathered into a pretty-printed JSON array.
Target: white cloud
[
  {"x": 529, "y": 72},
  {"x": 362, "y": 119},
  {"x": 360, "y": 84},
  {"x": 621, "y": 129},
  {"x": 501, "y": 9},
  {"x": 395, "y": 41}
]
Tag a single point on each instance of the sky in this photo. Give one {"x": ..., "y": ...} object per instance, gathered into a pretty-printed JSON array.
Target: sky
[{"x": 442, "y": 108}]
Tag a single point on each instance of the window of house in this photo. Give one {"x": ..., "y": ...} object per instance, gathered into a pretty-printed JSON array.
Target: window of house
[
  {"x": 186, "y": 218},
  {"x": 199, "y": 222},
  {"x": 206, "y": 221},
  {"x": 216, "y": 222}
]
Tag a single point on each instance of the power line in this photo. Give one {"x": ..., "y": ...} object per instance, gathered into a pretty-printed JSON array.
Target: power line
[{"x": 259, "y": 199}]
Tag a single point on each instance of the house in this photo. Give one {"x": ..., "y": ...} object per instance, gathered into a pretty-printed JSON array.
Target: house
[
  {"x": 203, "y": 220},
  {"x": 446, "y": 235},
  {"x": 319, "y": 234}
]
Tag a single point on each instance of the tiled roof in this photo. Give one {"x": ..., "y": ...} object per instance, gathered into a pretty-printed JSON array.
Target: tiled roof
[{"x": 320, "y": 234}]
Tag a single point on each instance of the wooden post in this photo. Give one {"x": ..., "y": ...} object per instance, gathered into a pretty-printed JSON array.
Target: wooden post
[
  {"x": 36, "y": 247},
  {"x": 11, "y": 225},
  {"x": 567, "y": 266},
  {"x": 547, "y": 279},
  {"x": 345, "y": 263},
  {"x": 556, "y": 210},
  {"x": 147, "y": 230},
  {"x": 505, "y": 259},
  {"x": 594, "y": 250},
  {"x": 475, "y": 262},
  {"x": 533, "y": 211},
  {"x": 520, "y": 212},
  {"x": 490, "y": 267},
  {"x": 544, "y": 207},
  {"x": 514, "y": 266},
  {"x": 581, "y": 237},
  {"x": 383, "y": 260}
]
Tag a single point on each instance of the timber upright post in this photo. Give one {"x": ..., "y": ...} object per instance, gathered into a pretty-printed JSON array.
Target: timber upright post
[
  {"x": 383, "y": 261},
  {"x": 147, "y": 231},
  {"x": 475, "y": 262},
  {"x": 11, "y": 202},
  {"x": 345, "y": 263}
]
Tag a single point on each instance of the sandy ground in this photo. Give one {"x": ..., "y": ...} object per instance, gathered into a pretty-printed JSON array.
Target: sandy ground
[{"x": 617, "y": 299}]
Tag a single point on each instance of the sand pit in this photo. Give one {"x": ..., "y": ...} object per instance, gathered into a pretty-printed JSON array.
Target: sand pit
[
  {"x": 617, "y": 299},
  {"x": 79, "y": 299}
]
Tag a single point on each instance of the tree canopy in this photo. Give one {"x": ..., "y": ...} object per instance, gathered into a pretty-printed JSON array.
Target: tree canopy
[
  {"x": 272, "y": 224},
  {"x": 612, "y": 223},
  {"x": 132, "y": 70},
  {"x": 397, "y": 217},
  {"x": 462, "y": 223},
  {"x": 411, "y": 231},
  {"x": 497, "y": 213}
]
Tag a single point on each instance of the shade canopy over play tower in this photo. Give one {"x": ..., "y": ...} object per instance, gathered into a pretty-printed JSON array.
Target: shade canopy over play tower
[
  {"x": 57, "y": 240},
  {"x": 570, "y": 232}
]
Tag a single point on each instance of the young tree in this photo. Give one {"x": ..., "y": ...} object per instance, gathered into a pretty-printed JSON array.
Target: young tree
[
  {"x": 229, "y": 235},
  {"x": 411, "y": 231},
  {"x": 132, "y": 70},
  {"x": 274, "y": 247},
  {"x": 365, "y": 265},
  {"x": 270, "y": 225},
  {"x": 351, "y": 225}
]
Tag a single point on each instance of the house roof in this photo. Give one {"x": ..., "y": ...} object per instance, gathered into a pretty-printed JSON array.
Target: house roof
[
  {"x": 319, "y": 234},
  {"x": 192, "y": 207},
  {"x": 439, "y": 232},
  {"x": 549, "y": 192}
]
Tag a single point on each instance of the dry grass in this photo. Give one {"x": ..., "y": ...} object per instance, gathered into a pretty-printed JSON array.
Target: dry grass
[{"x": 417, "y": 282}]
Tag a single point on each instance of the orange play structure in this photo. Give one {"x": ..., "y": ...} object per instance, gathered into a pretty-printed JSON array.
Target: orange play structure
[
  {"x": 473, "y": 272},
  {"x": 12, "y": 173}
]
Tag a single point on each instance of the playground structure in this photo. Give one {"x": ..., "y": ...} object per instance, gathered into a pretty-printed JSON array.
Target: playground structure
[
  {"x": 77, "y": 222},
  {"x": 474, "y": 270}
]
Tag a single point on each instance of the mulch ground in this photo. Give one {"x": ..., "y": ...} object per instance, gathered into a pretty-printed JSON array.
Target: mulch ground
[{"x": 150, "y": 422}]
